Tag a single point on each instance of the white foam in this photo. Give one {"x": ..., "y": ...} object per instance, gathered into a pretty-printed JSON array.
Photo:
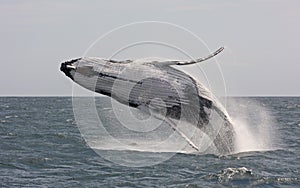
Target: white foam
[{"x": 255, "y": 128}]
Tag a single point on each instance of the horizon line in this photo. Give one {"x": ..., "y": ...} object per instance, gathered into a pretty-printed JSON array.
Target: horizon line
[{"x": 107, "y": 96}]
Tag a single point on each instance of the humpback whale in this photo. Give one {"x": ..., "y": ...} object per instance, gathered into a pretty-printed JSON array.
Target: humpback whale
[{"x": 157, "y": 86}]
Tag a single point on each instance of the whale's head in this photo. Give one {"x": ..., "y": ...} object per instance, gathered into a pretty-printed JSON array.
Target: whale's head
[
  {"x": 80, "y": 68},
  {"x": 92, "y": 72}
]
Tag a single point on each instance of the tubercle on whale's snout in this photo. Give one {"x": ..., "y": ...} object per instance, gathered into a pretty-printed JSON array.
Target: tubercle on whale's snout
[
  {"x": 65, "y": 70},
  {"x": 67, "y": 66},
  {"x": 63, "y": 67}
]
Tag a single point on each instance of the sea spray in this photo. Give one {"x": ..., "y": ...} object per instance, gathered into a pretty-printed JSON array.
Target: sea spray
[{"x": 254, "y": 126}]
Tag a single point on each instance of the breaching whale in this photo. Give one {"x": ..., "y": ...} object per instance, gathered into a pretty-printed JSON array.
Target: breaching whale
[{"x": 158, "y": 87}]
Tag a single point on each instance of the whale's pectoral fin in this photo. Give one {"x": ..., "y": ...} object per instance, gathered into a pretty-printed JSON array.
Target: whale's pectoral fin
[
  {"x": 175, "y": 62},
  {"x": 175, "y": 128}
]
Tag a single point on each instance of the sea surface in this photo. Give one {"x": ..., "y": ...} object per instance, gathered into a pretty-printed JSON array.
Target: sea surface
[{"x": 41, "y": 146}]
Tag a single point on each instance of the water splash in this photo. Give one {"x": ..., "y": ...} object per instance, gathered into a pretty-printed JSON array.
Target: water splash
[
  {"x": 229, "y": 174},
  {"x": 254, "y": 126},
  {"x": 242, "y": 176}
]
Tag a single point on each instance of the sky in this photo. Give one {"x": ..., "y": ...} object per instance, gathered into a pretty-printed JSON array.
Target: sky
[{"x": 261, "y": 39}]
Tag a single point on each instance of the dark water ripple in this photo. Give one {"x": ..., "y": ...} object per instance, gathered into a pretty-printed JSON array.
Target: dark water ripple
[{"x": 42, "y": 147}]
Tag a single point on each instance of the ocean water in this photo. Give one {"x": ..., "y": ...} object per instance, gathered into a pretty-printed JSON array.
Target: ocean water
[{"x": 41, "y": 146}]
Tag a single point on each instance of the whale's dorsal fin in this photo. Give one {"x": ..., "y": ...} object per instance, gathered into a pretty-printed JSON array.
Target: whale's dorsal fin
[{"x": 189, "y": 62}]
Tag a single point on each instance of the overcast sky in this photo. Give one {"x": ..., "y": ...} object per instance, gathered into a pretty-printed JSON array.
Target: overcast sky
[{"x": 261, "y": 36}]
